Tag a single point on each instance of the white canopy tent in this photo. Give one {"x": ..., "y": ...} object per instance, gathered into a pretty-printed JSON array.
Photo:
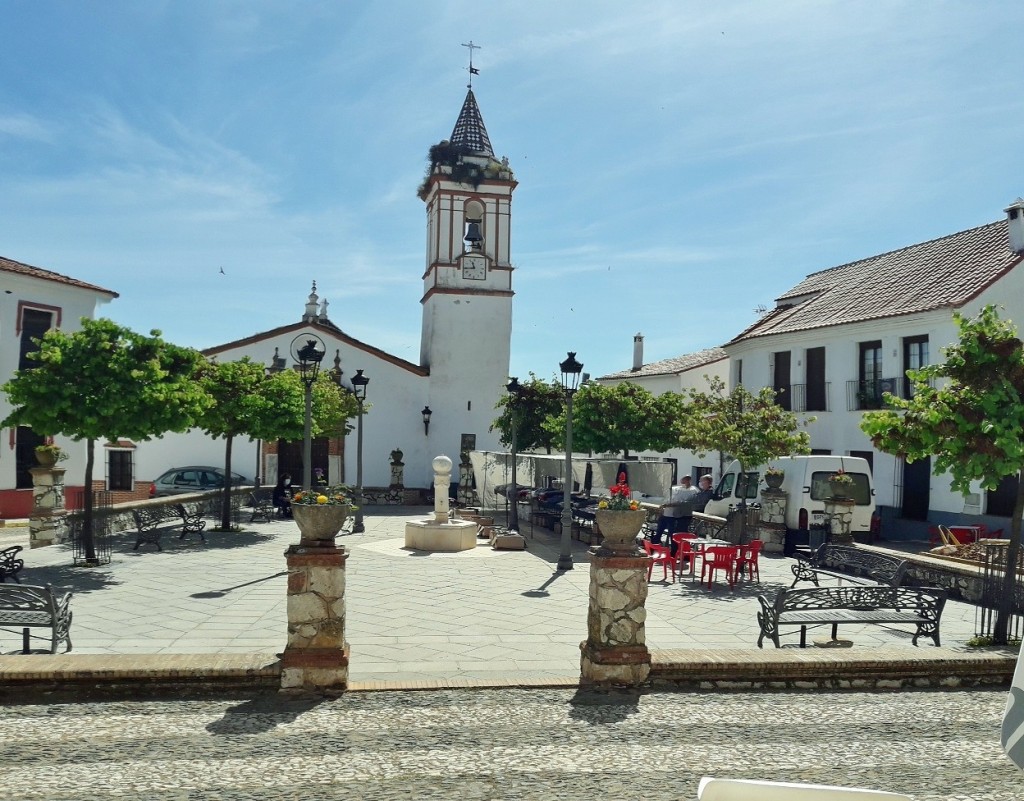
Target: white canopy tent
[{"x": 649, "y": 480}]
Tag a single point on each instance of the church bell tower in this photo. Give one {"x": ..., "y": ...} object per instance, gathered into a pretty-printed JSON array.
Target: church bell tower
[{"x": 467, "y": 281}]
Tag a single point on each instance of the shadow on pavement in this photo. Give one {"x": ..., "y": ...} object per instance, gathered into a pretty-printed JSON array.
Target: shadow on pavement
[
  {"x": 602, "y": 707},
  {"x": 261, "y": 714},
  {"x": 79, "y": 579},
  {"x": 226, "y": 590}
]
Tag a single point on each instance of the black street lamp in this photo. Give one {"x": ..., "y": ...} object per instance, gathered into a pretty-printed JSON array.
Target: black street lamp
[
  {"x": 571, "y": 371},
  {"x": 308, "y": 356},
  {"x": 359, "y": 382},
  {"x": 426, "y": 420},
  {"x": 514, "y": 389}
]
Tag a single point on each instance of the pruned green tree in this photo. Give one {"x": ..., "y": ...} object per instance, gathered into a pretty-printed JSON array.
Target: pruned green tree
[
  {"x": 621, "y": 418},
  {"x": 752, "y": 428},
  {"x": 106, "y": 382},
  {"x": 249, "y": 402},
  {"x": 968, "y": 413},
  {"x": 246, "y": 402},
  {"x": 538, "y": 401}
]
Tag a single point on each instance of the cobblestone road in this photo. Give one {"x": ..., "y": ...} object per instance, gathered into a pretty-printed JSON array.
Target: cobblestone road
[{"x": 508, "y": 744}]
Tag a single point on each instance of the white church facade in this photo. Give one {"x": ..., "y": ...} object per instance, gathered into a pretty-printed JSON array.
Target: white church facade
[{"x": 466, "y": 310}]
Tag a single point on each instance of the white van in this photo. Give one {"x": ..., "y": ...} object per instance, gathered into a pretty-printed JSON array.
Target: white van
[{"x": 806, "y": 481}]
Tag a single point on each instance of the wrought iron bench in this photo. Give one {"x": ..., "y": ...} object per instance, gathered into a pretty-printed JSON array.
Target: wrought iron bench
[
  {"x": 191, "y": 521},
  {"x": 151, "y": 524},
  {"x": 262, "y": 505},
  {"x": 25, "y": 606},
  {"x": 856, "y": 604},
  {"x": 10, "y": 564},
  {"x": 864, "y": 566}
]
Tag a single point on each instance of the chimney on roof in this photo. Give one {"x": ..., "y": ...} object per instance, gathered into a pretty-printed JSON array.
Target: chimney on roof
[
  {"x": 1015, "y": 218},
  {"x": 638, "y": 351}
]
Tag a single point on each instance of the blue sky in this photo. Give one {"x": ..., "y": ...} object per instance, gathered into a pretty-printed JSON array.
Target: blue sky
[{"x": 680, "y": 163}]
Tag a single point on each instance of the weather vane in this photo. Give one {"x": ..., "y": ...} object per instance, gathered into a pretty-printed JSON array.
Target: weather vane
[{"x": 472, "y": 70}]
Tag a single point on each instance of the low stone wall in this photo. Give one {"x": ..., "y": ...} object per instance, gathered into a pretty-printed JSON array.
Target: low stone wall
[
  {"x": 120, "y": 514},
  {"x": 963, "y": 581},
  {"x": 834, "y": 669}
]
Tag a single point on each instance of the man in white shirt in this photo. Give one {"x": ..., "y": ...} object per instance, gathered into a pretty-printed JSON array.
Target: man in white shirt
[{"x": 675, "y": 515}]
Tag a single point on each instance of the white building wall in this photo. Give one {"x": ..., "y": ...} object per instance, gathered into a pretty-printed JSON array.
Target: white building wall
[
  {"x": 687, "y": 462},
  {"x": 71, "y": 303},
  {"x": 838, "y": 430},
  {"x": 395, "y": 396}
]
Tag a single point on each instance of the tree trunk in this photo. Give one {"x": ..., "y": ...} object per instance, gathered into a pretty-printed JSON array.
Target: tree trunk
[
  {"x": 741, "y": 508},
  {"x": 1008, "y": 596},
  {"x": 225, "y": 501},
  {"x": 88, "y": 541}
]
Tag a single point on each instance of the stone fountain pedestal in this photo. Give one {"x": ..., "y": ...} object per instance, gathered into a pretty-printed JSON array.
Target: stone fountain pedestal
[{"x": 440, "y": 533}]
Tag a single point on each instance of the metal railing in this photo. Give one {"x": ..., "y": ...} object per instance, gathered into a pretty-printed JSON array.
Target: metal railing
[
  {"x": 102, "y": 525},
  {"x": 993, "y": 573},
  {"x": 810, "y": 397}
]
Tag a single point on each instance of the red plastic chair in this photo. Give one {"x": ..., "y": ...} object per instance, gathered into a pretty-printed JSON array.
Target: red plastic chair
[
  {"x": 749, "y": 560},
  {"x": 685, "y": 552},
  {"x": 717, "y": 558},
  {"x": 660, "y": 555}
]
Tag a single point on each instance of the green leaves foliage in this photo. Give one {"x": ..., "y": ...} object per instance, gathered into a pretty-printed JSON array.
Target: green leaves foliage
[
  {"x": 104, "y": 382},
  {"x": 621, "y": 418},
  {"x": 537, "y": 401},
  {"x": 966, "y": 413},
  {"x": 752, "y": 428}
]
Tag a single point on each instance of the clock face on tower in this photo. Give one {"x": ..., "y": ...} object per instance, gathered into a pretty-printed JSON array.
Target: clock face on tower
[{"x": 474, "y": 267}]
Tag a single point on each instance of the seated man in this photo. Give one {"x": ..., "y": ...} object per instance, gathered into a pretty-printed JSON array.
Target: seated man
[
  {"x": 282, "y": 496},
  {"x": 675, "y": 515}
]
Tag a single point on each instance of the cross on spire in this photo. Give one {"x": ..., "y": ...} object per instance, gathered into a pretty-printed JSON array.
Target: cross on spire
[{"x": 472, "y": 70}]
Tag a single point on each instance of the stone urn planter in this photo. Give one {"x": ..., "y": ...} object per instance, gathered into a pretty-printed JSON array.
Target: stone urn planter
[
  {"x": 49, "y": 455},
  {"x": 319, "y": 523},
  {"x": 774, "y": 480},
  {"x": 619, "y": 529},
  {"x": 841, "y": 490}
]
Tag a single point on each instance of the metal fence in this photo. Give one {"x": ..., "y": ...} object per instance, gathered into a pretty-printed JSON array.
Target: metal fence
[
  {"x": 102, "y": 517},
  {"x": 993, "y": 573}
]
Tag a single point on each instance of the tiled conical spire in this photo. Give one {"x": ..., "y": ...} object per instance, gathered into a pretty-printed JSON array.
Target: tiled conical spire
[{"x": 469, "y": 129}]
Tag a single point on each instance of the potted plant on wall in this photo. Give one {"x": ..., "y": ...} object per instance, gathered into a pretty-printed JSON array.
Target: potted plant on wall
[
  {"x": 620, "y": 518},
  {"x": 321, "y": 512},
  {"x": 48, "y": 455},
  {"x": 773, "y": 477},
  {"x": 841, "y": 483}
]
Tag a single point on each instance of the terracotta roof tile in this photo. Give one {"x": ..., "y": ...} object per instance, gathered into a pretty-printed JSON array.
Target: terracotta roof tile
[
  {"x": 678, "y": 364},
  {"x": 941, "y": 273},
  {"x": 11, "y": 266}
]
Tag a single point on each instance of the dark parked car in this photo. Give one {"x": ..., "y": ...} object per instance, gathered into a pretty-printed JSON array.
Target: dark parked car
[{"x": 194, "y": 478}]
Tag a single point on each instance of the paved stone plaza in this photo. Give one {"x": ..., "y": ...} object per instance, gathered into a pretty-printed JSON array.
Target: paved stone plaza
[
  {"x": 421, "y": 620},
  {"x": 412, "y": 616},
  {"x": 508, "y": 744}
]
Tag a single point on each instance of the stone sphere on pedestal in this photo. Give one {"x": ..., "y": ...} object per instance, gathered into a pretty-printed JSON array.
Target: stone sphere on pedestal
[{"x": 442, "y": 464}]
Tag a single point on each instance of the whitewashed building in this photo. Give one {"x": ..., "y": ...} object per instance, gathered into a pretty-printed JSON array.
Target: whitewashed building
[
  {"x": 466, "y": 310},
  {"x": 843, "y": 336},
  {"x": 33, "y": 301},
  {"x": 679, "y": 374}
]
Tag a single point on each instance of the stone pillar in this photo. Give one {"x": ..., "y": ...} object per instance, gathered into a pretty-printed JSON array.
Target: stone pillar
[
  {"x": 772, "y": 528},
  {"x": 442, "y": 483},
  {"x": 315, "y": 659},
  {"x": 838, "y": 518},
  {"x": 396, "y": 489},
  {"x": 467, "y": 495},
  {"x": 615, "y": 651},
  {"x": 46, "y": 523}
]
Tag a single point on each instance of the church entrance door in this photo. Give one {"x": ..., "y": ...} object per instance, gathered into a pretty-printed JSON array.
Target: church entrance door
[{"x": 289, "y": 459}]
